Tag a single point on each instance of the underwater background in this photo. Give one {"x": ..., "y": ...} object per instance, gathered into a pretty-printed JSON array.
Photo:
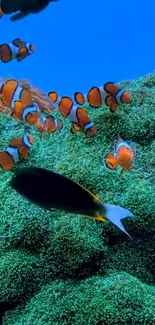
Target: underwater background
[
  {"x": 84, "y": 43},
  {"x": 63, "y": 269}
]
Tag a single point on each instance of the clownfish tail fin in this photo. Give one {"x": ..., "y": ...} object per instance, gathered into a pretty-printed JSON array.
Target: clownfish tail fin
[{"x": 115, "y": 213}]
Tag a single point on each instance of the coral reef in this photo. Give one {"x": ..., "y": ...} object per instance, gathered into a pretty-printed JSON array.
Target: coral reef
[
  {"x": 60, "y": 269},
  {"x": 38, "y": 96}
]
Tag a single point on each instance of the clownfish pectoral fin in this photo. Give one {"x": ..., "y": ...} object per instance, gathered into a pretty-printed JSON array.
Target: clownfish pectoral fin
[
  {"x": 115, "y": 214},
  {"x": 110, "y": 161},
  {"x": 75, "y": 128},
  {"x": 72, "y": 130},
  {"x": 79, "y": 98}
]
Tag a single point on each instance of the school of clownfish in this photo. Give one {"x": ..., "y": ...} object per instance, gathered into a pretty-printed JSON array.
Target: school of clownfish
[
  {"x": 33, "y": 182},
  {"x": 23, "y": 108}
]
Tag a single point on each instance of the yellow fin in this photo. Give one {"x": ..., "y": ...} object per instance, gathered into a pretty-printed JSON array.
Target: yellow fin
[
  {"x": 100, "y": 218},
  {"x": 94, "y": 196}
]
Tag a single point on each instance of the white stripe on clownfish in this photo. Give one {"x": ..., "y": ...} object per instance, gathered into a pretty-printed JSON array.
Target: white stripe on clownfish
[
  {"x": 13, "y": 152},
  {"x": 118, "y": 96},
  {"x": 26, "y": 141},
  {"x": 29, "y": 109},
  {"x": 88, "y": 126},
  {"x": 16, "y": 96},
  {"x": 72, "y": 115}
]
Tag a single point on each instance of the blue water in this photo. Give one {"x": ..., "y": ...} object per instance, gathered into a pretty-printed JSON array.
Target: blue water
[{"x": 84, "y": 43}]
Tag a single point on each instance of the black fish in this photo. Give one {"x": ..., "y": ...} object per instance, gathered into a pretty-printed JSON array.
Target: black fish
[
  {"x": 23, "y": 7},
  {"x": 51, "y": 191}
]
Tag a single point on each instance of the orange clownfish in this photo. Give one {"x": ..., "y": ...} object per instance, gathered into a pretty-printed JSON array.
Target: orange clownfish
[
  {"x": 23, "y": 144},
  {"x": 17, "y": 50},
  {"x": 17, "y": 149},
  {"x": 78, "y": 117},
  {"x": 29, "y": 114},
  {"x": 49, "y": 124},
  {"x": 116, "y": 96},
  {"x": 123, "y": 155},
  {"x": 11, "y": 91},
  {"x": 53, "y": 124},
  {"x": 109, "y": 94},
  {"x": 41, "y": 124}
]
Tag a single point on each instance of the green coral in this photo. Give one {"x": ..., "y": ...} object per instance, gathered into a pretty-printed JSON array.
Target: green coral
[
  {"x": 118, "y": 299},
  {"x": 71, "y": 265}
]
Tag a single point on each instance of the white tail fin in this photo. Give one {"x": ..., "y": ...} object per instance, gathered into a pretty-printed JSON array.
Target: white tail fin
[{"x": 115, "y": 213}]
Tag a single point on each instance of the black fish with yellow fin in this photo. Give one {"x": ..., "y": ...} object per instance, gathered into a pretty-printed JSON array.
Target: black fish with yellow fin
[
  {"x": 51, "y": 190},
  {"x": 23, "y": 7}
]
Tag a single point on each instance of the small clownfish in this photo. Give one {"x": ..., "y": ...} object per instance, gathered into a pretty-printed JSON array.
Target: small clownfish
[
  {"x": 49, "y": 124},
  {"x": 11, "y": 91},
  {"x": 29, "y": 114},
  {"x": 17, "y": 49},
  {"x": 17, "y": 149},
  {"x": 23, "y": 144},
  {"x": 123, "y": 155},
  {"x": 9, "y": 157},
  {"x": 65, "y": 194},
  {"x": 78, "y": 117},
  {"x": 41, "y": 124},
  {"x": 116, "y": 96},
  {"x": 53, "y": 124},
  {"x": 109, "y": 94}
]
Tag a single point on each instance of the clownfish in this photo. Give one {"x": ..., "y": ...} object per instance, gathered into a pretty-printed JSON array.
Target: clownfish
[
  {"x": 123, "y": 155},
  {"x": 110, "y": 95},
  {"x": 49, "y": 124},
  {"x": 29, "y": 114},
  {"x": 41, "y": 124},
  {"x": 78, "y": 117},
  {"x": 24, "y": 144},
  {"x": 17, "y": 149},
  {"x": 10, "y": 92},
  {"x": 17, "y": 49},
  {"x": 65, "y": 194},
  {"x": 116, "y": 96}
]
